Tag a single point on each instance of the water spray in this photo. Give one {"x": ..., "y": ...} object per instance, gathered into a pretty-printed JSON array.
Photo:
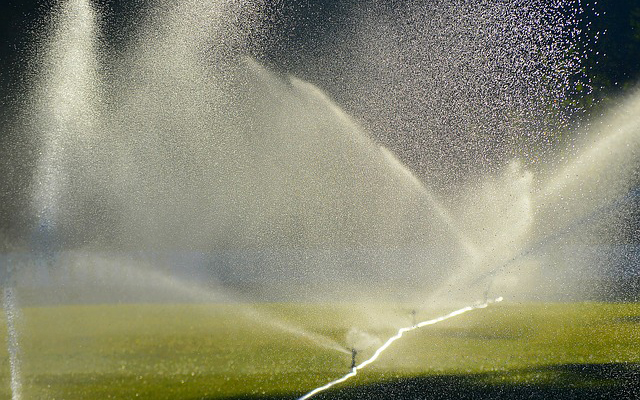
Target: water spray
[
  {"x": 12, "y": 315},
  {"x": 398, "y": 335},
  {"x": 552, "y": 237}
]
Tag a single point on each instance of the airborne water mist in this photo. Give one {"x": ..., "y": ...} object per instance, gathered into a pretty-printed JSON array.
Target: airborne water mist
[
  {"x": 182, "y": 142},
  {"x": 189, "y": 140}
]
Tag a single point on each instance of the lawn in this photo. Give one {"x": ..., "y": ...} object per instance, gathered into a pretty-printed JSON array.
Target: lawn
[{"x": 160, "y": 351}]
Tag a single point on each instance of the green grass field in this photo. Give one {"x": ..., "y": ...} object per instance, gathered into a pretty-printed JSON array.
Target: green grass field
[{"x": 206, "y": 351}]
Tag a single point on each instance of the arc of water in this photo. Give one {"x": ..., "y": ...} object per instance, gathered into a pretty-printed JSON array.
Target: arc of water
[
  {"x": 389, "y": 159},
  {"x": 198, "y": 293},
  {"x": 586, "y": 179},
  {"x": 442, "y": 213},
  {"x": 392, "y": 339}
]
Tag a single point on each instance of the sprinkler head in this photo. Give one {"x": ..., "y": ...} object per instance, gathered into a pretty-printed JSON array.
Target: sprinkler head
[{"x": 354, "y": 352}]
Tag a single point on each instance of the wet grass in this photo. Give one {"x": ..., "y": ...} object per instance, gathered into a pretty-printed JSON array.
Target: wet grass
[{"x": 231, "y": 351}]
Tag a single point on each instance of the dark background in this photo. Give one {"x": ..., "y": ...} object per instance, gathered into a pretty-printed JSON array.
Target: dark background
[{"x": 299, "y": 25}]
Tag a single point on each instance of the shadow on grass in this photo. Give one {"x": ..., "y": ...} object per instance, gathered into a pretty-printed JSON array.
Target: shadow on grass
[{"x": 569, "y": 381}]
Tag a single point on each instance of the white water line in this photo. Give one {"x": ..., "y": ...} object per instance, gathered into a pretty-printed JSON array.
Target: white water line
[
  {"x": 392, "y": 339},
  {"x": 11, "y": 311}
]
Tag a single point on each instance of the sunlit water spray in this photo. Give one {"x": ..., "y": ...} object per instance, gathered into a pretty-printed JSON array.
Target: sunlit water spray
[
  {"x": 392, "y": 339},
  {"x": 195, "y": 157},
  {"x": 604, "y": 168},
  {"x": 243, "y": 159},
  {"x": 66, "y": 101},
  {"x": 12, "y": 313},
  {"x": 548, "y": 208}
]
